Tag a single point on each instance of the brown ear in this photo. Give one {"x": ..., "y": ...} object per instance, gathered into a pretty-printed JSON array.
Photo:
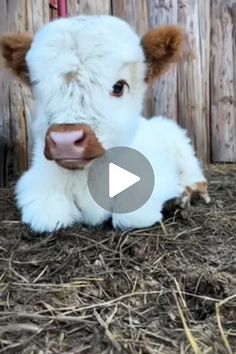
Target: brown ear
[
  {"x": 14, "y": 48},
  {"x": 162, "y": 47}
]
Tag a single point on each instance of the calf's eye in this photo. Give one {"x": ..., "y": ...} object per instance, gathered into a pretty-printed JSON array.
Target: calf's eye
[{"x": 118, "y": 88}]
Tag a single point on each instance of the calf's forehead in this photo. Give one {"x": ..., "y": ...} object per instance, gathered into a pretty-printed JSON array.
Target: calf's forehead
[{"x": 77, "y": 41}]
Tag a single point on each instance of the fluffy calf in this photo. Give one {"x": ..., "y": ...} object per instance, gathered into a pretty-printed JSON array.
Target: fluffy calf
[{"x": 89, "y": 76}]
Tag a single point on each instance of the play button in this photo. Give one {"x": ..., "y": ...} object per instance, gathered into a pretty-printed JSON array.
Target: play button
[{"x": 121, "y": 181}]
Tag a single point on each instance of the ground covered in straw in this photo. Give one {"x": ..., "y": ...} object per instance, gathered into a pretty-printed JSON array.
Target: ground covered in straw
[{"x": 169, "y": 289}]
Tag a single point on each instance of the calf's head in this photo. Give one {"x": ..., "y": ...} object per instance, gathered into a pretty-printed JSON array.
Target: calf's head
[{"x": 88, "y": 75}]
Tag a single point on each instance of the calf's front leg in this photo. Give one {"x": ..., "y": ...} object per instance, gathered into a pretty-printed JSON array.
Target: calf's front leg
[
  {"x": 44, "y": 196},
  {"x": 191, "y": 175}
]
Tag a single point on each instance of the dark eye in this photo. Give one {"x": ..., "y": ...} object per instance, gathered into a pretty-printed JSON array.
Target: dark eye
[{"x": 118, "y": 88}]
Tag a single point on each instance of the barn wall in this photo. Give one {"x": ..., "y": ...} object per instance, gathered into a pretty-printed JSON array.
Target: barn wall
[
  {"x": 223, "y": 80},
  {"x": 193, "y": 74},
  {"x": 199, "y": 93},
  {"x": 15, "y": 99}
]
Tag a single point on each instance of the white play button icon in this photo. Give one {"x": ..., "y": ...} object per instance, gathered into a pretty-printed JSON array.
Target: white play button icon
[{"x": 120, "y": 179}]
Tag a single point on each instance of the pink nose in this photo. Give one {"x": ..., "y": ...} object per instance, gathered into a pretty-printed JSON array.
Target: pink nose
[
  {"x": 72, "y": 146},
  {"x": 67, "y": 144}
]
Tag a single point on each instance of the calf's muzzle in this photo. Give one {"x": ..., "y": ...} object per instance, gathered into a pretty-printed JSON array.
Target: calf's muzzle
[{"x": 72, "y": 146}]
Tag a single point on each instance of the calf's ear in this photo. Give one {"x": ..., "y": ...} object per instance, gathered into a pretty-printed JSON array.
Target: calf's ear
[
  {"x": 162, "y": 47},
  {"x": 13, "y": 48}
]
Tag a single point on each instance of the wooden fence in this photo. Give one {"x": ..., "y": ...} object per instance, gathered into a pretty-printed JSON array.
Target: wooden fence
[{"x": 199, "y": 93}]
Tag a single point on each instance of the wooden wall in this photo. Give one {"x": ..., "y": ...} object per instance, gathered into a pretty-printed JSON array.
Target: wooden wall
[
  {"x": 199, "y": 93},
  {"x": 15, "y": 99}
]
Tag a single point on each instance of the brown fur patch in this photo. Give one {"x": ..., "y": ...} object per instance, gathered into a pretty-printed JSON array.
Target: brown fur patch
[
  {"x": 14, "y": 48},
  {"x": 202, "y": 187},
  {"x": 198, "y": 189},
  {"x": 70, "y": 76},
  {"x": 162, "y": 47}
]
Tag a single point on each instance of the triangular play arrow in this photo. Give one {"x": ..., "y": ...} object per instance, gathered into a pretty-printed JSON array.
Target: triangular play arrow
[{"x": 120, "y": 179}]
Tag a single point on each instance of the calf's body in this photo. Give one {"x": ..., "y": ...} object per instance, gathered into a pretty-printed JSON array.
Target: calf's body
[{"x": 51, "y": 197}]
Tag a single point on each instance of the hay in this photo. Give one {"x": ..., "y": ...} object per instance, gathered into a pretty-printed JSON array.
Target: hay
[{"x": 168, "y": 289}]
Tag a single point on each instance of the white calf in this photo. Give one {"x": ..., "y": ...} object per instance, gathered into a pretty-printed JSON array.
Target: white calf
[{"x": 89, "y": 75}]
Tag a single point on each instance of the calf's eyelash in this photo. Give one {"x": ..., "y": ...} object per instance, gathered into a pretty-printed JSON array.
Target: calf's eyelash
[{"x": 34, "y": 83}]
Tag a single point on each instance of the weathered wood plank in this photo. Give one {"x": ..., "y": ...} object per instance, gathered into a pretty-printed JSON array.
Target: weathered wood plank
[
  {"x": 37, "y": 14},
  {"x": 163, "y": 12},
  {"x": 4, "y": 155},
  {"x": 193, "y": 73},
  {"x": 53, "y": 9},
  {"x": 88, "y": 7},
  {"x": 134, "y": 12},
  {"x": 5, "y": 133},
  {"x": 16, "y": 102},
  {"x": 223, "y": 76},
  {"x": 233, "y": 12}
]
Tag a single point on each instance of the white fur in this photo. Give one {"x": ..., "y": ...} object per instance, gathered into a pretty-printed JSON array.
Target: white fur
[{"x": 97, "y": 51}]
